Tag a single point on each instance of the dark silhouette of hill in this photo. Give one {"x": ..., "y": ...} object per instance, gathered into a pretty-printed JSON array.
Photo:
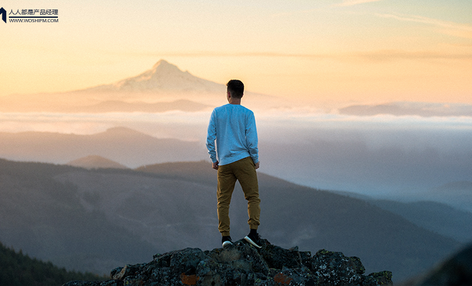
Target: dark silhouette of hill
[
  {"x": 18, "y": 269},
  {"x": 110, "y": 216},
  {"x": 94, "y": 162},
  {"x": 114, "y": 144}
]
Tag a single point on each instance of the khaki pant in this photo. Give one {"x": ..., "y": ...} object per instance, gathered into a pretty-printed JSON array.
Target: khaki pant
[{"x": 244, "y": 172}]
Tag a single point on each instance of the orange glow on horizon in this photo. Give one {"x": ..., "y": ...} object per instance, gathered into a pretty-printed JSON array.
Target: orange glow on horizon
[{"x": 339, "y": 51}]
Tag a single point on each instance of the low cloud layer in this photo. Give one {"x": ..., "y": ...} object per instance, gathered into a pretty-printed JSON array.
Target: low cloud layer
[{"x": 410, "y": 108}]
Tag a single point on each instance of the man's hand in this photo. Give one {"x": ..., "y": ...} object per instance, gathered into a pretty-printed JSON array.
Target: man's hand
[
  {"x": 256, "y": 166},
  {"x": 215, "y": 165}
]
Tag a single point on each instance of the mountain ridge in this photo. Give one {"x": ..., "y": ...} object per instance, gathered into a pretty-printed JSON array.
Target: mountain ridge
[
  {"x": 115, "y": 144},
  {"x": 165, "y": 212},
  {"x": 94, "y": 162}
]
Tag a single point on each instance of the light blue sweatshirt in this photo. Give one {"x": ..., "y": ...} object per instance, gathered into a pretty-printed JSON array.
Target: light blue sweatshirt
[{"x": 233, "y": 127}]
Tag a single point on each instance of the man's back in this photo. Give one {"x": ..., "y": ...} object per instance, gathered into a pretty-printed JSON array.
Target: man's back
[{"x": 234, "y": 128}]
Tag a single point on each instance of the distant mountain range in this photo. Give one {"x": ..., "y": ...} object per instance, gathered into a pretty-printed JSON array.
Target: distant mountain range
[
  {"x": 123, "y": 145},
  {"x": 425, "y": 109},
  {"x": 95, "y": 220},
  {"x": 437, "y": 217},
  {"x": 132, "y": 149},
  {"x": 458, "y": 194},
  {"x": 162, "y": 88}
]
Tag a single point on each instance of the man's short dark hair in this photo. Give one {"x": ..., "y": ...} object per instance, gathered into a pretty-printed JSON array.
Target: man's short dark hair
[{"x": 236, "y": 88}]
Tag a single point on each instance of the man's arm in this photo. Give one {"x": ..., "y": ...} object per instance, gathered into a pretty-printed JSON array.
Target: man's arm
[
  {"x": 251, "y": 138},
  {"x": 211, "y": 137}
]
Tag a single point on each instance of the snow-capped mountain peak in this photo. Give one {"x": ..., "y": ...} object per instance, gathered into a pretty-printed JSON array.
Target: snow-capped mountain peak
[{"x": 164, "y": 77}]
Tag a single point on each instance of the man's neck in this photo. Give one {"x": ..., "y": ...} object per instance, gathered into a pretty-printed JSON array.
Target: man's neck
[{"x": 236, "y": 101}]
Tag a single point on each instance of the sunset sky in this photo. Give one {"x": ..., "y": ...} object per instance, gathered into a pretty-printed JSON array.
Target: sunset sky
[{"x": 354, "y": 51}]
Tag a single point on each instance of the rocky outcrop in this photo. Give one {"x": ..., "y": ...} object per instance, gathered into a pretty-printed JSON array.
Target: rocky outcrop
[{"x": 243, "y": 264}]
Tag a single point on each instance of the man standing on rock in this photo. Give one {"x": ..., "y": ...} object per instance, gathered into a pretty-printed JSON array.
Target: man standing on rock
[{"x": 236, "y": 158}]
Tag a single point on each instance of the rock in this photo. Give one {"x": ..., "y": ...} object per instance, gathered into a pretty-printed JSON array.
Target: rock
[
  {"x": 243, "y": 264},
  {"x": 333, "y": 268}
]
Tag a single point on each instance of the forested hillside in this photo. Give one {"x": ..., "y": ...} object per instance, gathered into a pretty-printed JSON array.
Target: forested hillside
[{"x": 18, "y": 269}]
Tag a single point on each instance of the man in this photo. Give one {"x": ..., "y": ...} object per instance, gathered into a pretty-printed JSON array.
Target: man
[{"x": 236, "y": 158}]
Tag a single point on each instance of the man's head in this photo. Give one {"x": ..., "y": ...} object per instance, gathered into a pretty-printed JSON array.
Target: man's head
[{"x": 235, "y": 88}]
